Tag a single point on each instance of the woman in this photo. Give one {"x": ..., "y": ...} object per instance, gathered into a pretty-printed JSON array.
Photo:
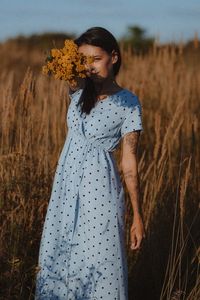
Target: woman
[{"x": 82, "y": 252}]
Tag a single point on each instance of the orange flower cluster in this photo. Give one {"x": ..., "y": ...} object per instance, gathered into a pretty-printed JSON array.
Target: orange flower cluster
[{"x": 67, "y": 63}]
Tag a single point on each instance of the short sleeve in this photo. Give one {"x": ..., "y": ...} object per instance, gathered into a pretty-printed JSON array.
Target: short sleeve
[
  {"x": 74, "y": 94},
  {"x": 133, "y": 120}
]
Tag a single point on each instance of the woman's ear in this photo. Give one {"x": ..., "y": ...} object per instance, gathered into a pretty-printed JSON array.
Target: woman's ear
[{"x": 114, "y": 57}]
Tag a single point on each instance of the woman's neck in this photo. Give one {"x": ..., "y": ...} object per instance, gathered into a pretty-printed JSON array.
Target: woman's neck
[{"x": 107, "y": 87}]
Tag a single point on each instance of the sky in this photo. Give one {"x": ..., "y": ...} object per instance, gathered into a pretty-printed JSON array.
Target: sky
[{"x": 168, "y": 20}]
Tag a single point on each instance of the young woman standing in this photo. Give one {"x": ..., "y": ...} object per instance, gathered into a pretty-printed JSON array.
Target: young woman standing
[{"x": 82, "y": 252}]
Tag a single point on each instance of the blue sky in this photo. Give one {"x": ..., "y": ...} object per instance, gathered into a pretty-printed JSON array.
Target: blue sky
[{"x": 170, "y": 19}]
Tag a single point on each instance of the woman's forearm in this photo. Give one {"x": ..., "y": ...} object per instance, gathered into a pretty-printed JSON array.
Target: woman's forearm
[
  {"x": 72, "y": 89},
  {"x": 80, "y": 82},
  {"x": 132, "y": 181}
]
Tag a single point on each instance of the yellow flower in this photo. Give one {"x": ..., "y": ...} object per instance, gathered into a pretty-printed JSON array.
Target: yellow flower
[{"x": 67, "y": 63}]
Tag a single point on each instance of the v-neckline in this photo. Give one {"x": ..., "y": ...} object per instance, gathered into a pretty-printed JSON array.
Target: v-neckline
[{"x": 110, "y": 96}]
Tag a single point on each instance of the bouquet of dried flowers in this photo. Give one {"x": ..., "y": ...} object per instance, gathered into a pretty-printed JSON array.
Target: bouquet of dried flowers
[{"x": 67, "y": 63}]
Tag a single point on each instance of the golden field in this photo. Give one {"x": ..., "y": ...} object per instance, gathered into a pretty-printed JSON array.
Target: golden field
[{"x": 32, "y": 131}]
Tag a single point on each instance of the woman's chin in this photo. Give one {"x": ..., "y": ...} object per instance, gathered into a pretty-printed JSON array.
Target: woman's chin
[{"x": 97, "y": 79}]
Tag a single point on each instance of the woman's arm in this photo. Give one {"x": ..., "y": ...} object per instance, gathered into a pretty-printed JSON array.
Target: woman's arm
[
  {"x": 129, "y": 165},
  {"x": 130, "y": 168}
]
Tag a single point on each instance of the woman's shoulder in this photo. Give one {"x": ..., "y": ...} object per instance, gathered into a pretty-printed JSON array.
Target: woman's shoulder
[{"x": 128, "y": 98}]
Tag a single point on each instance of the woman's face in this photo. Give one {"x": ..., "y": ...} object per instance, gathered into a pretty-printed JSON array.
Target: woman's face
[{"x": 102, "y": 66}]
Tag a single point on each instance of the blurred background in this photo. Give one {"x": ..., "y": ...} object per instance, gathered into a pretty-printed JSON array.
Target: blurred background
[
  {"x": 159, "y": 42},
  {"x": 28, "y": 30}
]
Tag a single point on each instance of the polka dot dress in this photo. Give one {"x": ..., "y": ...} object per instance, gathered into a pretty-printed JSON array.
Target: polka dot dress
[{"x": 82, "y": 251}]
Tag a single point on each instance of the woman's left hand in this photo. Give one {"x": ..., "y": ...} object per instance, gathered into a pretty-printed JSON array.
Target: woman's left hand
[{"x": 137, "y": 233}]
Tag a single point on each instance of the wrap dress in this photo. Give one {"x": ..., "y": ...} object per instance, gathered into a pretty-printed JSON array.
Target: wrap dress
[{"x": 82, "y": 250}]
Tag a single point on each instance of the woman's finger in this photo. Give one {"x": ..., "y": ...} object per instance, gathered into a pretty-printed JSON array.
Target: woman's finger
[
  {"x": 133, "y": 241},
  {"x": 139, "y": 239},
  {"x": 137, "y": 242}
]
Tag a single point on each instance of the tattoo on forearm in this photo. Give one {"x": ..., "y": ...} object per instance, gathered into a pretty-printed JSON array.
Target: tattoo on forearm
[
  {"x": 129, "y": 174},
  {"x": 134, "y": 179},
  {"x": 133, "y": 185},
  {"x": 132, "y": 140}
]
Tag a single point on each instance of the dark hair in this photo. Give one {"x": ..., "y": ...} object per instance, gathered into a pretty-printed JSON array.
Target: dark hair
[{"x": 99, "y": 37}]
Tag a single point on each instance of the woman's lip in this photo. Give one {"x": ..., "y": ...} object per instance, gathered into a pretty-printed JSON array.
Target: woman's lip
[{"x": 94, "y": 74}]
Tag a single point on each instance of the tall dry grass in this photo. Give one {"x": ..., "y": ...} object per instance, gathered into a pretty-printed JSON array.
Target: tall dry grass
[{"x": 32, "y": 131}]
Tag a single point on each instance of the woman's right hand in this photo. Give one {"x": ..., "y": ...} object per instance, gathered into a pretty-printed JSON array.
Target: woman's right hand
[{"x": 80, "y": 83}]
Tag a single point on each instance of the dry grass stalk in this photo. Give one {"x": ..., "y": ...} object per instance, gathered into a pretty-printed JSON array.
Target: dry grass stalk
[{"x": 32, "y": 132}]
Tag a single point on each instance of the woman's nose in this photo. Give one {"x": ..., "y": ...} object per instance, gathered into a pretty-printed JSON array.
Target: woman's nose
[{"x": 90, "y": 68}]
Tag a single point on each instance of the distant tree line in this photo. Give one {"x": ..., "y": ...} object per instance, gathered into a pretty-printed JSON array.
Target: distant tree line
[{"x": 136, "y": 40}]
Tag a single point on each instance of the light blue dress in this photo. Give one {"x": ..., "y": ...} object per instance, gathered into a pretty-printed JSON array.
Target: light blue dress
[{"x": 82, "y": 252}]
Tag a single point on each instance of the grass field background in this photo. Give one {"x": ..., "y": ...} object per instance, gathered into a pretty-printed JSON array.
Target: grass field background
[{"x": 33, "y": 129}]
